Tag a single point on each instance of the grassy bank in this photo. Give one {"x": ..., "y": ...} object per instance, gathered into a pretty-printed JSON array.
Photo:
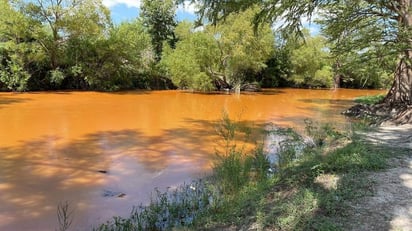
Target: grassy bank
[
  {"x": 310, "y": 186},
  {"x": 370, "y": 99},
  {"x": 311, "y": 192}
]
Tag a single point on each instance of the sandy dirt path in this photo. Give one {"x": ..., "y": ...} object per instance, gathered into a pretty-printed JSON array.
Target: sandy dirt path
[{"x": 390, "y": 208}]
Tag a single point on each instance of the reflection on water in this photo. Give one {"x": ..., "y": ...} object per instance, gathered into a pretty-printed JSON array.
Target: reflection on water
[{"x": 77, "y": 146}]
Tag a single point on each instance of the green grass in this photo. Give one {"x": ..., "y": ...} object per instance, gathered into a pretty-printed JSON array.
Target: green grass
[{"x": 370, "y": 99}]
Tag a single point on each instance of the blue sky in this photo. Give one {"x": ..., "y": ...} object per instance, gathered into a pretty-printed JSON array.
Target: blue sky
[{"x": 124, "y": 10}]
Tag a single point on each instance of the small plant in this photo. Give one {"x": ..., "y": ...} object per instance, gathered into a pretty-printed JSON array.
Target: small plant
[
  {"x": 232, "y": 171},
  {"x": 321, "y": 134},
  {"x": 260, "y": 164},
  {"x": 166, "y": 210},
  {"x": 289, "y": 146},
  {"x": 231, "y": 133}
]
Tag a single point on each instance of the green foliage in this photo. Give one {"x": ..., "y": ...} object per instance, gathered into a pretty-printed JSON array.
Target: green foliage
[
  {"x": 289, "y": 11},
  {"x": 13, "y": 75},
  {"x": 74, "y": 44},
  {"x": 299, "y": 208},
  {"x": 232, "y": 171},
  {"x": 241, "y": 48},
  {"x": 370, "y": 99},
  {"x": 56, "y": 76},
  {"x": 367, "y": 38},
  {"x": 18, "y": 50},
  {"x": 202, "y": 82},
  {"x": 290, "y": 146},
  {"x": 119, "y": 61},
  {"x": 61, "y": 22},
  {"x": 296, "y": 199},
  {"x": 321, "y": 134},
  {"x": 166, "y": 210},
  {"x": 355, "y": 157},
  {"x": 278, "y": 69},
  {"x": 159, "y": 17},
  {"x": 363, "y": 70},
  {"x": 188, "y": 63},
  {"x": 311, "y": 64},
  {"x": 233, "y": 168},
  {"x": 365, "y": 44},
  {"x": 224, "y": 53}
]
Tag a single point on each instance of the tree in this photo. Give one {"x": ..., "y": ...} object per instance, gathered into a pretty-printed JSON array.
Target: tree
[
  {"x": 66, "y": 19},
  {"x": 119, "y": 60},
  {"x": 310, "y": 63},
  {"x": 360, "y": 70},
  {"x": 18, "y": 48},
  {"x": 388, "y": 21},
  {"x": 221, "y": 55},
  {"x": 159, "y": 17},
  {"x": 195, "y": 55}
]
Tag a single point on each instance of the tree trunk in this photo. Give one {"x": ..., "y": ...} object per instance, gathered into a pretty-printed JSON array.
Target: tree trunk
[
  {"x": 401, "y": 91},
  {"x": 338, "y": 76}
]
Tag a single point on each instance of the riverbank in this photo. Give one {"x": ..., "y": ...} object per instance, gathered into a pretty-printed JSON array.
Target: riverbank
[
  {"x": 361, "y": 184},
  {"x": 353, "y": 180}
]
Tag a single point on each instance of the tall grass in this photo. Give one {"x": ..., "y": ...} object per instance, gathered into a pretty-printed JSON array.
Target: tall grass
[
  {"x": 234, "y": 167},
  {"x": 244, "y": 193}
]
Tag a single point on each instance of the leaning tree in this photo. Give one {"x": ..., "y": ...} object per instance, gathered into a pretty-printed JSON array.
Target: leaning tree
[{"x": 370, "y": 23}]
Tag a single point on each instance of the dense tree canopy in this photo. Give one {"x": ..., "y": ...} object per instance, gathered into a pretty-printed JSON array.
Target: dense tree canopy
[
  {"x": 311, "y": 64},
  {"x": 53, "y": 44},
  {"x": 69, "y": 44},
  {"x": 359, "y": 25},
  {"x": 218, "y": 55}
]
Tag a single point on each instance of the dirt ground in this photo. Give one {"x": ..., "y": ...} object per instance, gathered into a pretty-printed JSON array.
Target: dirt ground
[{"x": 390, "y": 208}]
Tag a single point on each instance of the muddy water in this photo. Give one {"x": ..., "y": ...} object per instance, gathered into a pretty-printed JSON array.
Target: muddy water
[{"x": 89, "y": 148}]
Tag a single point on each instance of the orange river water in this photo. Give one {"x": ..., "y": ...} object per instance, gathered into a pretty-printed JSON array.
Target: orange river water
[{"x": 53, "y": 145}]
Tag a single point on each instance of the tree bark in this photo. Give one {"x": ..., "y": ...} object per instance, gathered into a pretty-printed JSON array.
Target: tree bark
[
  {"x": 401, "y": 90},
  {"x": 338, "y": 76}
]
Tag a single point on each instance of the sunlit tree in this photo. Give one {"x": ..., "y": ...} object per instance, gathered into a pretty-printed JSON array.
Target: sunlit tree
[
  {"x": 311, "y": 64},
  {"x": 63, "y": 20},
  {"x": 388, "y": 22},
  {"x": 159, "y": 17},
  {"x": 219, "y": 55},
  {"x": 19, "y": 49}
]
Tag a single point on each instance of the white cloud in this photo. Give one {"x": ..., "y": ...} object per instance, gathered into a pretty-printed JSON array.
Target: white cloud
[
  {"x": 184, "y": 9},
  {"x": 187, "y": 7},
  {"x": 128, "y": 3}
]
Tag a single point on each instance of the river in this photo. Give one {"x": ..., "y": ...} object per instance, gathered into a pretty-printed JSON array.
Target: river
[{"x": 105, "y": 152}]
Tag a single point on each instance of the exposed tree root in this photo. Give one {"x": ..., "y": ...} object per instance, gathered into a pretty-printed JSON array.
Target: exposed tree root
[{"x": 382, "y": 113}]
